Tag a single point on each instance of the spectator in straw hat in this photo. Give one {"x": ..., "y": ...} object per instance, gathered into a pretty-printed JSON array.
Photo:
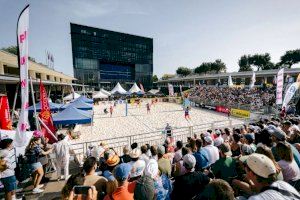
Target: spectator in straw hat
[{"x": 134, "y": 155}]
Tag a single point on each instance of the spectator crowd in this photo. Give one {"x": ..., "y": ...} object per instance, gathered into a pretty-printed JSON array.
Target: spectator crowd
[
  {"x": 230, "y": 96},
  {"x": 256, "y": 161}
]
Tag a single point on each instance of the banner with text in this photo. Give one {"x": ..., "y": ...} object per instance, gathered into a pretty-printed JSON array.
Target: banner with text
[
  {"x": 240, "y": 113},
  {"x": 22, "y": 39}
]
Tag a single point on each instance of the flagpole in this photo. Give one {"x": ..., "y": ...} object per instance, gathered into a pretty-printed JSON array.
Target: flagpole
[
  {"x": 14, "y": 104},
  {"x": 46, "y": 127},
  {"x": 34, "y": 107}
]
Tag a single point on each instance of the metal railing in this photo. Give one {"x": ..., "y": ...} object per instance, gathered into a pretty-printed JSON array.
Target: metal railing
[{"x": 156, "y": 137}]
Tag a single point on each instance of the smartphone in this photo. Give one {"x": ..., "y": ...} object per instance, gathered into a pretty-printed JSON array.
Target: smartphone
[{"x": 80, "y": 189}]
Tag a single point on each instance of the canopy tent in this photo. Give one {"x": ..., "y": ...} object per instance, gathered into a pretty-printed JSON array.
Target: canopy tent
[
  {"x": 140, "y": 93},
  {"x": 154, "y": 92},
  {"x": 79, "y": 104},
  {"x": 128, "y": 93},
  {"x": 100, "y": 95},
  {"x": 118, "y": 89},
  {"x": 70, "y": 96},
  {"x": 105, "y": 92},
  {"x": 38, "y": 106},
  {"x": 135, "y": 88},
  {"x": 85, "y": 99},
  {"x": 72, "y": 115}
]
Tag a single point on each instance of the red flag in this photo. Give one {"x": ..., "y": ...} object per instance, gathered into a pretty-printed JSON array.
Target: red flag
[
  {"x": 45, "y": 115},
  {"x": 5, "y": 120},
  {"x": 142, "y": 87}
]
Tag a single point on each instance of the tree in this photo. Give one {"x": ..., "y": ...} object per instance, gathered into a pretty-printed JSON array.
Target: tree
[
  {"x": 218, "y": 66},
  {"x": 14, "y": 50},
  {"x": 184, "y": 71},
  {"x": 167, "y": 76},
  {"x": 11, "y": 49},
  {"x": 244, "y": 63},
  {"x": 261, "y": 61},
  {"x": 154, "y": 78},
  {"x": 290, "y": 58}
]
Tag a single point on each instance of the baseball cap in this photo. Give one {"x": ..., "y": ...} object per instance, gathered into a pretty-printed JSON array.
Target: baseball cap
[
  {"x": 249, "y": 136},
  {"x": 218, "y": 132},
  {"x": 218, "y": 142},
  {"x": 225, "y": 148},
  {"x": 261, "y": 165},
  {"x": 246, "y": 149},
  {"x": 276, "y": 132},
  {"x": 161, "y": 150},
  {"x": 208, "y": 139},
  {"x": 151, "y": 168},
  {"x": 144, "y": 189},
  {"x": 189, "y": 161},
  {"x": 135, "y": 153},
  {"x": 122, "y": 171},
  {"x": 138, "y": 168}
]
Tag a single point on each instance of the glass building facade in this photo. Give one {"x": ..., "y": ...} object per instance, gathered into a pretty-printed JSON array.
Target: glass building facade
[{"x": 101, "y": 58}]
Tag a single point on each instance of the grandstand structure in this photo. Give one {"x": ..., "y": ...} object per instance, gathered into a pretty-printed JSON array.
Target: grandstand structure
[{"x": 238, "y": 78}]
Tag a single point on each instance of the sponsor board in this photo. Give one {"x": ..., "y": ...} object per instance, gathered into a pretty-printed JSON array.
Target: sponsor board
[
  {"x": 222, "y": 109},
  {"x": 240, "y": 113}
]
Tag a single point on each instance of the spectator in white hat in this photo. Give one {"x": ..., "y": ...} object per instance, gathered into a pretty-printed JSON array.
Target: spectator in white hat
[
  {"x": 212, "y": 151},
  {"x": 262, "y": 172}
]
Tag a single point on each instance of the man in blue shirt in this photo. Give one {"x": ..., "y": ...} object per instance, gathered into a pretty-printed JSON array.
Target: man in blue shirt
[{"x": 201, "y": 156}]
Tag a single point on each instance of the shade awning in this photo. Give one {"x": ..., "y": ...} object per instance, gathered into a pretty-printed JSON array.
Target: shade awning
[
  {"x": 72, "y": 115},
  {"x": 38, "y": 106},
  {"x": 71, "y": 96},
  {"x": 79, "y": 104}
]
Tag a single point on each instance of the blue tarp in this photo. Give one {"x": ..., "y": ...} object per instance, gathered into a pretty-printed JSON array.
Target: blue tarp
[
  {"x": 84, "y": 99},
  {"x": 53, "y": 107},
  {"x": 80, "y": 104},
  {"x": 72, "y": 115}
]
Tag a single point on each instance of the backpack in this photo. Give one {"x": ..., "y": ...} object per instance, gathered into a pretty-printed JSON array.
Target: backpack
[
  {"x": 31, "y": 156},
  {"x": 3, "y": 165},
  {"x": 22, "y": 170}
]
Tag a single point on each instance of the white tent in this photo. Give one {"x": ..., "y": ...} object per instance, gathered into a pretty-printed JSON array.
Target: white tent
[
  {"x": 70, "y": 96},
  {"x": 118, "y": 89},
  {"x": 105, "y": 92},
  {"x": 135, "y": 88},
  {"x": 100, "y": 95}
]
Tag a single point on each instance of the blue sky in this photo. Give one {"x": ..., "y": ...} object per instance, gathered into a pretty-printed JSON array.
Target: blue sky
[{"x": 185, "y": 33}]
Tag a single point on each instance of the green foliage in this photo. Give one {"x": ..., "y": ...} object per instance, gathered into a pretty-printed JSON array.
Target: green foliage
[
  {"x": 260, "y": 61},
  {"x": 216, "y": 66},
  {"x": 154, "y": 78},
  {"x": 14, "y": 50},
  {"x": 11, "y": 49},
  {"x": 244, "y": 63},
  {"x": 167, "y": 76},
  {"x": 290, "y": 58},
  {"x": 184, "y": 71}
]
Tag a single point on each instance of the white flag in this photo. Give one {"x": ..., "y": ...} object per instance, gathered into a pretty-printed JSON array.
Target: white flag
[
  {"x": 253, "y": 80},
  {"x": 171, "y": 89},
  {"x": 22, "y": 38},
  {"x": 230, "y": 84},
  {"x": 290, "y": 93},
  {"x": 279, "y": 87}
]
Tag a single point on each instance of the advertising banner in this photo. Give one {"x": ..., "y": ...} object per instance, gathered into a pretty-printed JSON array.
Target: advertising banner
[
  {"x": 22, "y": 40},
  {"x": 279, "y": 87},
  {"x": 290, "y": 93},
  {"x": 5, "y": 120},
  {"x": 45, "y": 115},
  {"x": 240, "y": 113},
  {"x": 222, "y": 109}
]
